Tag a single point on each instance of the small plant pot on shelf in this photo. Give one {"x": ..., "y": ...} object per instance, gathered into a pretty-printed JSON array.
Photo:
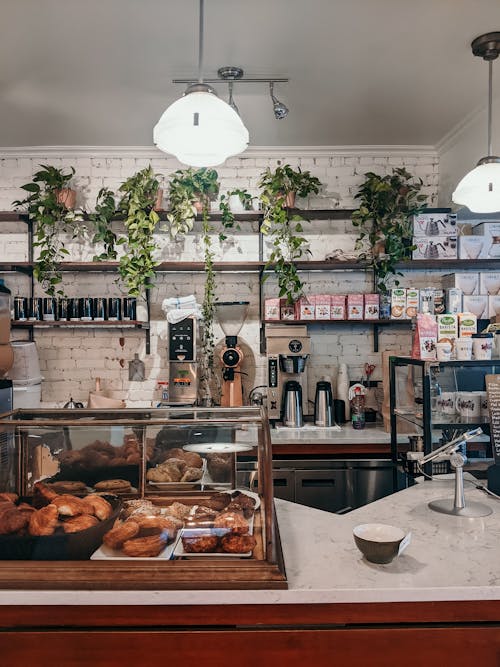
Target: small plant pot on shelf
[{"x": 66, "y": 197}]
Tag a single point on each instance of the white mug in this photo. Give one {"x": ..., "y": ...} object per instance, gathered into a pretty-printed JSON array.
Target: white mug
[
  {"x": 463, "y": 347},
  {"x": 483, "y": 398},
  {"x": 443, "y": 351},
  {"x": 481, "y": 348},
  {"x": 446, "y": 403},
  {"x": 468, "y": 404}
]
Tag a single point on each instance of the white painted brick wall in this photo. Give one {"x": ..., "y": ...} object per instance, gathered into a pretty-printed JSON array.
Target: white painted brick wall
[{"x": 72, "y": 359}]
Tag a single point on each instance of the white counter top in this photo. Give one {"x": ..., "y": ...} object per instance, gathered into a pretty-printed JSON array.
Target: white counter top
[
  {"x": 449, "y": 558},
  {"x": 371, "y": 434}
]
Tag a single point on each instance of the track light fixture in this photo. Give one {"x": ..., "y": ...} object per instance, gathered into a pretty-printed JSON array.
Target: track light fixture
[
  {"x": 280, "y": 110},
  {"x": 230, "y": 101}
]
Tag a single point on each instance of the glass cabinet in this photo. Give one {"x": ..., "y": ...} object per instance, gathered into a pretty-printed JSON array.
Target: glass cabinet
[
  {"x": 432, "y": 402},
  {"x": 150, "y": 492}
]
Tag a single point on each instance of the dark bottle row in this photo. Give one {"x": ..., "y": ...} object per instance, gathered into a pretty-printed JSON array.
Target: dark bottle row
[{"x": 80, "y": 309}]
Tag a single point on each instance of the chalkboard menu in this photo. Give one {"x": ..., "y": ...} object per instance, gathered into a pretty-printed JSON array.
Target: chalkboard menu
[{"x": 493, "y": 393}]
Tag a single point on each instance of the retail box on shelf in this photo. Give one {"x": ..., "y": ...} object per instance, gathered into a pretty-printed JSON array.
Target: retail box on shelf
[
  {"x": 287, "y": 311},
  {"x": 322, "y": 303},
  {"x": 468, "y": 282},
  {"x": 355, "y": 306},
  {"x": 435, "y": 222},
  {"x": 439, "y": 301},
  {"x": 489, "y": 282},
  {"x": 412, "y": 302},
  {"x": 398, "y": 303},
  {"x": 491, "y": 233},
  {"x": 272, "y": 309},
  {"x": 435, "y": 247},
  {"x": 447, "y": 328},
  {"x": 453, "y": 300},
  {"x": 305, "y": 309},
  {"x": 494, "y": 306},
  {"x": 476, "y": 304},
  {"x": 470, "y": 247},
  {"x": 372, "y": 307},
  {"x": 467, "y": 324},
  {"x": 338, "y": 306}
]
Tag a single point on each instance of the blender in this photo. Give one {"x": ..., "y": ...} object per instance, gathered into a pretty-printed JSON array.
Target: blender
[{"x": 231, "y": 316}]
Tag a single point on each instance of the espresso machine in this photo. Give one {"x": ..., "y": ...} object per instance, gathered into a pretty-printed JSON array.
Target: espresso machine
[
  {"x": 231, "y": 315},
  {"x": 288, "y": 348},
  {"x": 182, "y": 366}
]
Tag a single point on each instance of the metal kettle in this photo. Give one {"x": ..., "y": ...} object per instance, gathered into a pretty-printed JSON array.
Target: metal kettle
[
  {"x": 71, "y": 404},
  {"x": 292, "y": 404},
  {"x": 323, "y": 404}
]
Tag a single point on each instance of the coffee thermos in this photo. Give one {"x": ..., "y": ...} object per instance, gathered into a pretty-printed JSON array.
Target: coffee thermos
[
  {"x": 323, "y": 404},
  {"x": 292, "y": 404}
]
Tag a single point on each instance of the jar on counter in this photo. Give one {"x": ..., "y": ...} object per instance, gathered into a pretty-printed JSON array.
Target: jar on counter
[{"x": 161, "y": 393}]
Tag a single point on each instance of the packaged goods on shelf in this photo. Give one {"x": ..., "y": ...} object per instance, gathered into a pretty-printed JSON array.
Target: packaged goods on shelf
[
  {"x": 439, "y": 301},
  {"x": 398, "y": 303},
  {"x": 425, "y": 338},
  {"x": 338, "y": 306},
  {"x": 493, "y": 306},
  {"x": 489, "y": 282},
  {"x": 287, "y": 311},
  {"x": 412, "y": 302},
  {"x": 468, "y": 282},
  {"x": 372, "y": 307},
  {"x": 305, "y": 309},
  {"x": 491, "y": 233},
  {"x": 447, "y": 329},
  {"x": 322, "y": 303},
  {"x": 355, "y": 305},
  {"x": 467, "y": 324},
  {"x": 453, "y": 300},
  {"x": 476, "y": 304},
  {"x": 437, "y": 222},
  {"x": 426, "y": 300},
  {"x": 435, "y": 247},
  {"x": 272, "y": 309},
  {"x": 470, "y": 247}
]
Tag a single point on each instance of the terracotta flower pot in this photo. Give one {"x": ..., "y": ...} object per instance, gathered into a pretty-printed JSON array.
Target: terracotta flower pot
[
  {"x": 198, "y": 206},
  {"x": 290, "y": 199},
  {"x": 66, "y": 197},
  {"x": 158, "y": 205}
]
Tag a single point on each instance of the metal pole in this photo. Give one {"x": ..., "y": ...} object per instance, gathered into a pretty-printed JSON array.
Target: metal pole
[
  {"x": 200, "y": 43},
  {"x": 490, "y": 103}
]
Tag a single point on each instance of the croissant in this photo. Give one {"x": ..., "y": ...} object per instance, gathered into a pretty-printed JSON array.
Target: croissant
[{"x": 43, "y": 521}]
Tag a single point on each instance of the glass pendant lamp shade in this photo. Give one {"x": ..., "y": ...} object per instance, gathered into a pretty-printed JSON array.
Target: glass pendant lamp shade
[
  {"x": 479, "y": 190},
  {"x": 200, "y": 129}
]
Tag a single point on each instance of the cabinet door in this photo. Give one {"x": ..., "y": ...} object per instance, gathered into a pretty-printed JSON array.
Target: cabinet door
[
  {"x": 323, "y": 489},
  {"x": 284, "y": 484},
  {"x": 370, "y": 484}
]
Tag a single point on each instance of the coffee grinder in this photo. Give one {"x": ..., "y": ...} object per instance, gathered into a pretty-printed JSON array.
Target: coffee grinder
[
  {"x": 182, "y": 366},
  {"x": 288, "y": 347},
  {"x": 231, "y": 316}
]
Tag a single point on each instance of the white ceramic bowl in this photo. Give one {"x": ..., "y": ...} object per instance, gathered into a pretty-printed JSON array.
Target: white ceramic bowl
[{"x": 378, "y": 542}]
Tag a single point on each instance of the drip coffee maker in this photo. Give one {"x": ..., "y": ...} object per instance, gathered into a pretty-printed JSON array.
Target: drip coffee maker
[{"x": 231, "y": 316}]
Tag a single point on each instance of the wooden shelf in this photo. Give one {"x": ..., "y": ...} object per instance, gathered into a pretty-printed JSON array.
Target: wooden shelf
[
  {"x": 378, "y": 322},
  {"x": 64, "y": 324}
]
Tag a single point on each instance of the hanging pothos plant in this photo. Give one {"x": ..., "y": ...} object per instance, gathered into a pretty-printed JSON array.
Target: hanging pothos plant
[
  {"x": 187, "y": 191},
  {"x": 384, "y": 218},
  {"x": 227, "y": 214},
  {"x": 139, "y": 194},
  {"x": 285, "y": 228},
  {"x": 48, "y": 201},
  {"x": 102, "y": 218}
]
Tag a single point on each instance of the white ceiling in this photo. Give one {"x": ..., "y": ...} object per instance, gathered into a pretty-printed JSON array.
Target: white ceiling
[{"x": 371, "y": 72}]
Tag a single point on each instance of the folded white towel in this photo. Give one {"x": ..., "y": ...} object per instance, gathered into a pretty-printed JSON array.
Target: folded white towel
[
  {"x": 174, "y": 316},
  {"x": 179, "y": 302}
]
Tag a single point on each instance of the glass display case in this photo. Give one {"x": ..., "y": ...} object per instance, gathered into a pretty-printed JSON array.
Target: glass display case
[
  {"x": 433, "y": 402},
  {"x": 151, "y": 494}
]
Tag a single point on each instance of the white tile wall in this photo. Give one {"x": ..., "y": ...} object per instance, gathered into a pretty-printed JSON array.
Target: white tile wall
[{"x": 70, "y": 360}]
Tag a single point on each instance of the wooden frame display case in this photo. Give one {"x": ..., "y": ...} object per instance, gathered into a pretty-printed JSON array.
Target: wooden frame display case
[{"x": 132, "y": 455}]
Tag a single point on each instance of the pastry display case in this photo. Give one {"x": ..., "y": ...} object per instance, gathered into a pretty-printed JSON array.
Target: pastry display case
[{"x": 137, "y": 498}]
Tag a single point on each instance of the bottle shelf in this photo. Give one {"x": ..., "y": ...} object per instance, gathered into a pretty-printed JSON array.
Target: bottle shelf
[{"x": 106, "y": 324}]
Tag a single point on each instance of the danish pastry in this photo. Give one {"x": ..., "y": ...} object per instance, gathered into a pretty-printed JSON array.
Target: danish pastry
[
  {"x": 115, "y": 538},
  {"x": 43, "y": 521},
  {"x": 145, "y": 547},
  {"x": 70, "y": 505},
  {"x": 98, "y": 506},
  {"x": 76, "y": 523}
]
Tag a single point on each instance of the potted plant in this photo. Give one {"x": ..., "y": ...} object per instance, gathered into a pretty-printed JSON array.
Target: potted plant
[
  {"x": 102, "y": 217},
  {"x": 139, "y": 195},
  {"x": 284, "y": 228},
  {"x": 384, "y": 218},
  {"x": 50, "y": 203},
  {"x": 190, "y": 192},
  {"x": 231, "y": 202}
]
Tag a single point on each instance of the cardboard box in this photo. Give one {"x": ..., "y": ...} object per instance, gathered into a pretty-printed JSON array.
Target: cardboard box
[
  {"x": 305, "y": 309},
  {"x": 287, "y": 311},
  {"x": 470, "y": 247},
  {"x": 476, "y": 304},
  {"x": 355, "y": 306},
  {"x": 435, "y": 222},
  {"x": 338, "y": 307},
  {"x": 372, "y": 307},
  {"x": 412, "y": 302},
  {"x": 439, "y": 302},
  {"x": 272, "y": 309},
  {"x": 489, "y": 282},
  {"x": 426, "y": 300},
  {"x": 491, "y": 233},
  {"x": 322, "y": 303},
  {"x": 398, "y": 303},
  {"x": 468, "y": 282},
  {"x": 447, "y": 329},
  {"x": 467, "y": 324},
  {"x": 435, "y": 247},
  {"x": 494, "y": 306},
  {"x": 453, "y": 300}
]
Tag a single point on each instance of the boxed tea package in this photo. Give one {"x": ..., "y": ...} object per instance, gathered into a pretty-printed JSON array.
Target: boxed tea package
[
  {"x": 468, "y": 281},
  {"x": 272, "y": 309},
  {"x": 435, "y": 222},
  {"x": 453, "y": 300},
  {"x": 372, "y": 307},
  {"x": 305, "y": 309},
  {"x": 491, "y": 233},
  {"x": 489, "y": 282},
  {"x": 337, "y": 307},
  {"x": 467, "y": 324},
  {"x": 476, "y": 304},
  {"x": 447, "y": 329},
  {"x": 412, "y": 302},
  {"x": 436, "y": 247},
  {"x": 398, "y": 303},
  {"x": 322, "y": 303},
  {"x": 355, "y": 304},
  {"x": 287, "y": 310},
  {"x": 426, "y": 300}
]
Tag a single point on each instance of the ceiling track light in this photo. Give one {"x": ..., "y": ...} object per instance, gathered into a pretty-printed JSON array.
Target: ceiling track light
[
  {"x": 231, "y": 73},
  {"x": 200, "y": 129},
  {"x": 479, "y": 190}
]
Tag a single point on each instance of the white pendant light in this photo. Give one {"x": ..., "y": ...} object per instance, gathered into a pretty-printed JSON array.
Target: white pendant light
[
  {"x": 200, "y": 129},
  {"x": 479, "y": 190}
]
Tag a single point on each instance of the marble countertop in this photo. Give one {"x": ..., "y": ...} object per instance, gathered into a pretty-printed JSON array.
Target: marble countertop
[
  {"x": 347, "y": 435},
  {"x": 449, "y": 558}
]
